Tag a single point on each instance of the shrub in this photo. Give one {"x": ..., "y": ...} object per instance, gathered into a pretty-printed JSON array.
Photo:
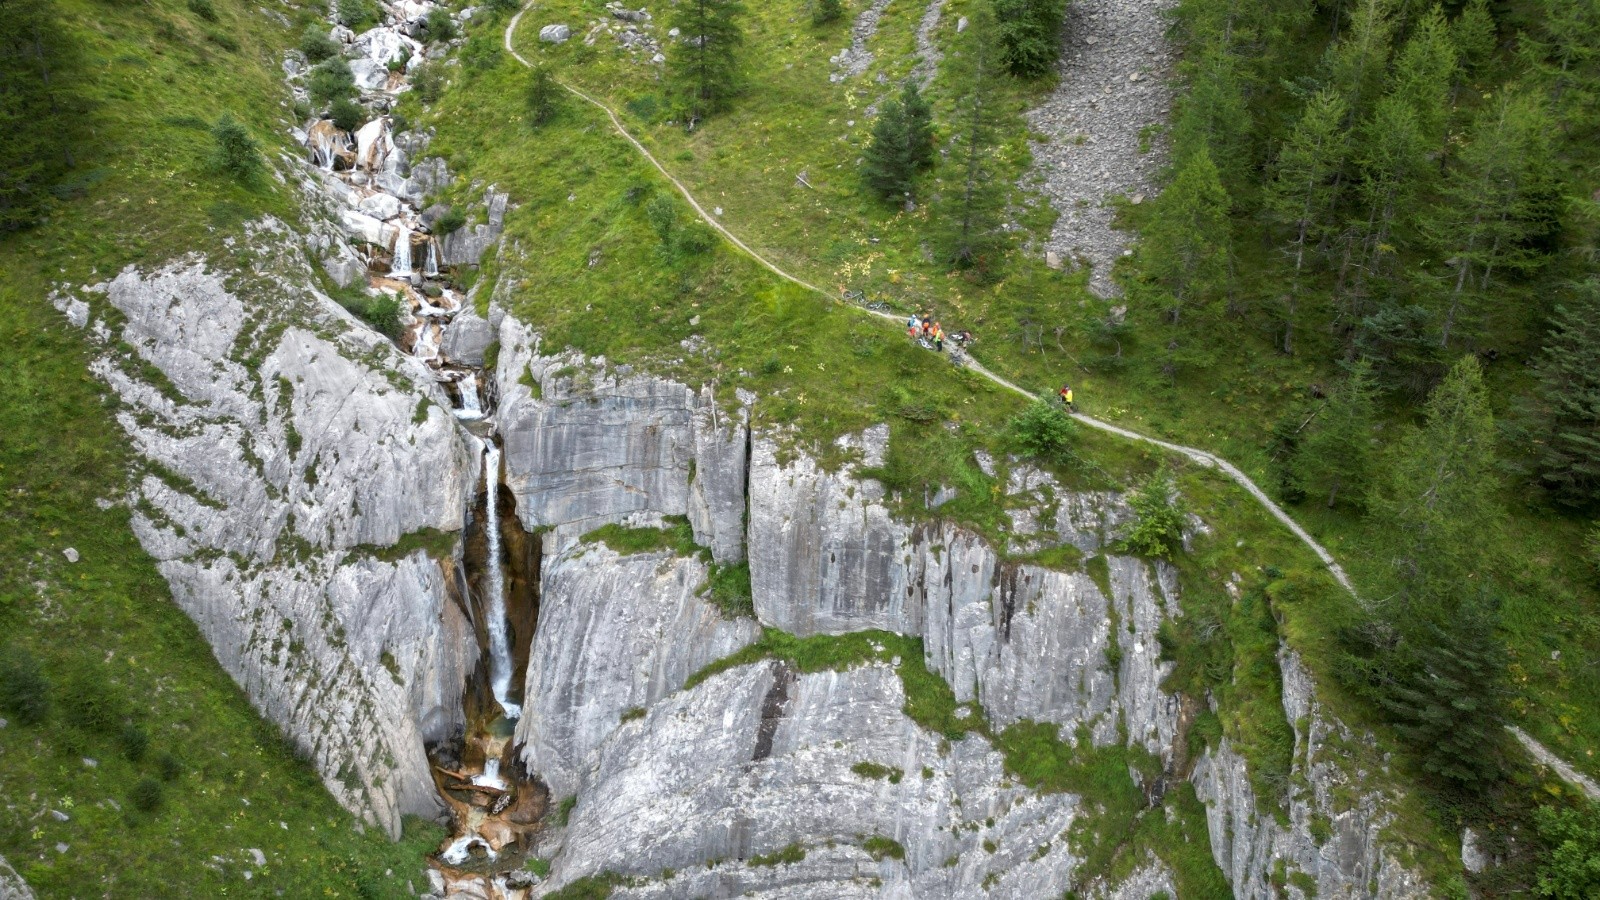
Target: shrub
[
  {"x": 544, "y": 96},
  {"x": 91, "y": 701},
  {"x": 347, "y": 114},
  {"x": 452, "y": 220},
  {"x": 234, "y": 152},
  {"x": 382, "y": 312},
  {"x": 169, "y": 767},
  {"x": 482, "y": 53},
  {"x": 1158, "y": 516},
  {"x": 330, "y": 80},
  {"x": 502, "y": 6},
  {"x": 428, "y": 82},
  {"x": 224, "y": 41},
  {"x": 1042, "y": 430},
  {"x": 204, "y": 9},
  {"x": 879, "y": 847},
  {"x": 825, "y": 11},
  {"x": 355, "y": 14},
  {"x": 1591, "y": 547},
  {"x": 1030, "y": 32},
  {"x": 316, "y": 44},
  {"x": 1570, "y": 866},
  {"x": 134, "y": 742},
  {"x": 24, "y": 692},
  {"x": 146, "y": 795},
  {"x": 399, "y": 63},
  {"x": 438, "y": 25}
]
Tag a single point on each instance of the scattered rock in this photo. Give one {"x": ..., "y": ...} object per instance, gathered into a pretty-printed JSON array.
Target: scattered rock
[
  {"x": 89, "y": 763},
  {"x": 71, "y": 554},
  {"x": 63, "y": 848},
  {"x": 961, "y": 24},
  {"x": 1052, "y": 259},
  {"x": 1473, "y": 859},
  {"x": 555, "y": 34},
  {"x": 258, "y": 856},
  {"x": 60, "y": 816}
]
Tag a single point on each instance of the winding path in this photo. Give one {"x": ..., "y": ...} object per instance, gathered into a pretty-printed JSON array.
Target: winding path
[{"x": 1204, "y": 458}]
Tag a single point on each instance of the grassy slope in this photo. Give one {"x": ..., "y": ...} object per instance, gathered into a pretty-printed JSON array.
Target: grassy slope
[
  {"x": 109, "y": 618},
  {"x": 791, "y": 119}
]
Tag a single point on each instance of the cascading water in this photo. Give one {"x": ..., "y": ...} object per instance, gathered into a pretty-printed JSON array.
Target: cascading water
[
  {"x": 500, "y": 662},
  {"x": 401, "y": 267},
  {"x": 431, "y": 267},
  {"x": 471, "y": 406}
]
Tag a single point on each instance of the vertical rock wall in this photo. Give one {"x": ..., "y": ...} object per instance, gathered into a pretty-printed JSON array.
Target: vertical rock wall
[{"x": 284, "y": 450}]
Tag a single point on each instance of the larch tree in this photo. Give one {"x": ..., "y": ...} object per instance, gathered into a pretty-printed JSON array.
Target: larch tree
[
  {"x": 1186, "y": 241},
  {"x": 886, "y": 164},
  {"x": 703, "y": 68},
  {"x": 973, "y": 199},
  {"x": 1303, "y": 189}
]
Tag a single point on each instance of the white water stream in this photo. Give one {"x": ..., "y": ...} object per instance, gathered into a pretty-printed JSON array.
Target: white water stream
[
  {"x": 471, "y": 406},
  {"x": 401, "y": 267},
  {"x": 495, "y": 585}
]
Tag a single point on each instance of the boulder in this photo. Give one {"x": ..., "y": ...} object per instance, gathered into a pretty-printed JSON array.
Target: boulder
[
  {"x": 344, "y": 270},
  {"x": 555, "y": 34},
  {"x": 369, "y": 74},
  {"x": 467, "y": 338}
]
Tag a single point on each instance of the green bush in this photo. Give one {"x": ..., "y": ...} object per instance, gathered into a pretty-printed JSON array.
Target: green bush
[
  {"x": 1030, "y": 34},
  {"x": 427, "y": 82},
  {"x": 544, "y": 96},
  {"x": 146, "y": 795},
  {"x": 502, "y": 6},
  {"x": 880, "y": 847},
  {"x": 825, "y": 11},
  {"x": 1591, "y": 547},
  {"x": 356, "y": 14},
  {"x": 91, "y": 700},
  {"x": 225, "y": 41},
  {"x": 134, "y": 742},
  {"x": 438, "y": 25},
  {"x": 316, "y": 45},
  {"x": 347, "y": 114},
  {"x": 1043, "y": 430},
  {"x": 24, "y": 692},
  {"x": 234, "y": 151},
  {"x": 169, "y": 767},
  {"x": 482, "y": 53},
  {"x": 330, "y": 80},
  {"x": 1570, "y": 864},
  {"x": 204, "y": 9},
  {"x": 729, "y": 588},
  {"x": 1158, "y": 516}
]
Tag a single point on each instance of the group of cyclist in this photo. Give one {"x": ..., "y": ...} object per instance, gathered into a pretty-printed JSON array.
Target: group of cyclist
[{"x": 921, "y": 328}]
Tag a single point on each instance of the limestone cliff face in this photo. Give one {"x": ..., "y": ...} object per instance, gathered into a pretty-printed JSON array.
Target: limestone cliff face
[
  {"x": 587, "y": 445},
  {"x": 285, "y": 449},
  {"x": 1248, "y": 840},
  {"x": 616, "y": 635}
]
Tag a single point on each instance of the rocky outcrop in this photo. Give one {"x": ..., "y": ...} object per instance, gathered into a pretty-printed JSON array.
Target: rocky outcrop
[
  {"x": 1330, "y": 827},
  {"x": 616, "y": 635},
  {"x": 759, "y": 758},
  {"x": 12, "y": 887},
  {"x": 285, "y": 449},
  {"x": 467, "y": 244},
  {"x": 588, "y": 445}
]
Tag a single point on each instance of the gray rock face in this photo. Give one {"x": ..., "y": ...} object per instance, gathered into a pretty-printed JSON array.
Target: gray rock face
[
  {"x": 597, "y": 446},
  {"x": 615, "y": 634},
  {"x": 1248, "y": 842},
  {"x": 467, "y": 244},
  {"x": 12, "y": 887},
  {"x": 759, "y": 757},
  {"x": 282, "y": 457},
  {"x": 468, "y": 336},
  {"x": 555, "y": 34}
]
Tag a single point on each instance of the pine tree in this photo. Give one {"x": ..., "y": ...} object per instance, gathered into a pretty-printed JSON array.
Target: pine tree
[
  {"x": 1302, "y": 192},
  {"x": 41, "y": 113},
  {"x": 1445, "y": 694},
  {"x": 919, "y": 125},
  {"x": 703, "y": 68},
  {"x": 973, "y": 200},
  {"x": 235, "y": 153},
  {"x": 1357, "y": 61},
  {"x": 887, "y": 166},
  {"x": 1335, "y": 457},
  {"x": 1473, "y": 34},
  {"x": 1186, "y": 242},
  {"x": 1439, "y": 498},
  {"x": 1423, "y": 73},
  {"x": 1030, "y": 35},
  {"x": 1569, "y": 388},
  {"x": 1488, "y": 209}
]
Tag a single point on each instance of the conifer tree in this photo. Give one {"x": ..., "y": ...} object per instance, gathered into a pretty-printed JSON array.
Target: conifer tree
[
  {"x": 1301, "y": 194},
  {"x": 1473, "y": 35},
  {"x": 1391, "y": 158},
  {"x": 1486, "y": 215},
  {"x": 886, "y": 165},
  {"x": 703, "y": 64},
  {"x": 919, "y": 125},
  {"x": 973, "y": 200},
  {"x": 1569, "y": 388},
  {"x": 1439, "y": 499},
  {"x": 1356, "y": 62},
  {"x": 41, "y": 113},
  {"x": 1186, "y": 242},
  {"x": 1030, "y": 35},
  {"x": 1423, "y": 73},
  {"x": 1336, "y": 457},
  {"x": 544, "y": 96}
]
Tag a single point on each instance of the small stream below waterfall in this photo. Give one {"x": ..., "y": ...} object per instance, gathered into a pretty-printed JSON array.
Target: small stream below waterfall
[{"x": 366, "y": 176}]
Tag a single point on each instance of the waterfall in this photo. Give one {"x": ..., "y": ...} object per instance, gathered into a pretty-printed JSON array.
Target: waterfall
[
  {"x": 401, "y": 266},
  {"x": 471, "y": 407},
  {"x": 426, "y": 346},
  {"x": 431, "y": 267},
  {"x": 495, "y": 609},
  {"x": 490, "y": 776}
]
